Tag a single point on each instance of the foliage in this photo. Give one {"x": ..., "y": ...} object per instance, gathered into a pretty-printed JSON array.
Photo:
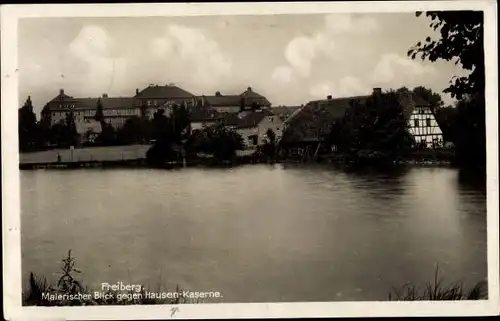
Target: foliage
[
  {"x": 269, "y": 148},
  {"x": 68, "y": 285},
  {"x": 446, "y": 117},
  {"x": 29, "y": 131},
  {"x": 169, "y": 134},
  {"x": 431, "y": 97},
  {"x": 470, "y": 136},
  {"x": 70, "y": 132},
  {"x": 108, "y": 135},
  {"x": 217, "y": 140},
  {"x": 99, "y": 112},
  {"x": 135, "y": 130},
  {"x": 436, "y": 291},
  {"x": 378, "y": 127},
  {"x": 462, "y": 41}
]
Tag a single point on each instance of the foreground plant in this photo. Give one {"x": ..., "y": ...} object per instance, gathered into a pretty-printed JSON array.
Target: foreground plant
[
  {"x": 68, "y": 291},
  {"x": 437, "y": 291}
]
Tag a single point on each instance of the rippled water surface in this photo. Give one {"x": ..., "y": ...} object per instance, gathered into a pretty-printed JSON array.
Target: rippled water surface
[{"x": 256, "y": 233}]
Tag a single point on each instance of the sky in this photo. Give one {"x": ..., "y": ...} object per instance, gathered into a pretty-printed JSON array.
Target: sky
[{"x": 290, "y": 59}]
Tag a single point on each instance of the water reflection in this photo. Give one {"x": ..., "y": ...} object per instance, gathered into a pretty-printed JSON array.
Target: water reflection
[{"x": 257, "y": 233}]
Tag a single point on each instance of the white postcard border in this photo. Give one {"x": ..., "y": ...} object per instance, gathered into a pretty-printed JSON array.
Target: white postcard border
[{"x": 10, "y": 168}]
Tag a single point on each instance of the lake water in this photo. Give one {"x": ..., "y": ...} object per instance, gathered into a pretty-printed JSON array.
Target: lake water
[{"x": 257, "y": 233}]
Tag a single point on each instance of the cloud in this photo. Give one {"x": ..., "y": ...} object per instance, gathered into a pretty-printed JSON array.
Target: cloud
[
  {"x": 282, "y": 74},
  {"x": 181, "y": 45},
  {"x": 346, "y": 23},
  {"x": 161, "y": 47},
  {"x": 395, "y": 69},
  {"x": 391, "y": 71},
  {"x": 345, "y": 87},
  {"x": 302, "y": 51},
  {"x": 94, "y": 47}
]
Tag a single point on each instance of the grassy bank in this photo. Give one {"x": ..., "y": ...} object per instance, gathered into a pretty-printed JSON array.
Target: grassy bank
[
  {"x": 438, "y": 290},
  {"x": 68, "y": 291}
]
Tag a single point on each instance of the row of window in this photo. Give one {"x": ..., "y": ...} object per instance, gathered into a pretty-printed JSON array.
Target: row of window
[{"x": 428, "y": 123}]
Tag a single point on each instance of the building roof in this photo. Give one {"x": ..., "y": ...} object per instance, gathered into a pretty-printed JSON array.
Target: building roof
[
  {"x": 222, "y": 100},
  {"x": 285, "y": 111},
  {"x": 251, "y": 96},
  {"x": 315, "y": 119},
  {"x": 91, "y": 103},
  {"x": 199, "y": 114},
  {"x": 247, "y": 119},
  {"x": 164, "y": 92}
]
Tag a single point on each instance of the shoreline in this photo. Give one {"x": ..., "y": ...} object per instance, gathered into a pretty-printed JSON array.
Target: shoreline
[{"x": 142, "y": 163}]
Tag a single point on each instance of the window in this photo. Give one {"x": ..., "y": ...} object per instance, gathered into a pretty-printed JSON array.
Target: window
[
  {"x": 253, "y": 139},
  {"x": 428, "y": 122},
  {"x": 415, "y": 121}
]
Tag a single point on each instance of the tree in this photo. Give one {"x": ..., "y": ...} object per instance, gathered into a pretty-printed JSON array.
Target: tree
[
  {"x": 431, "y": 97},
  {"x": 377, "y": 128},
  {"x": 446, "y": 117},
  {"x": 70, "y": 132},
  {"x": 27, "y": 127},
  {"x": 180, "y": 121},
  {"x": 270, "y": 145},
  {"x": 132, "y": 131},
  {"x": 99, "y": 112},
  {"x": 217, "y": 140},
  {"x": 461, "y": 40}
]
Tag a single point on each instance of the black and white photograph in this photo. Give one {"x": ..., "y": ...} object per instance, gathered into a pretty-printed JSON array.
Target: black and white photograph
[{"x": 238, "y": 161}]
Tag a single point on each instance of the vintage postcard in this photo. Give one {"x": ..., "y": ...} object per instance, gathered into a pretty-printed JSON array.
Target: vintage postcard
[{"x": 250, "y": 160}]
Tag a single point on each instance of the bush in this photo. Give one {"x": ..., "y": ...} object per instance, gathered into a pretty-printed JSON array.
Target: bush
[
  {"x": 39, "y": 287},
  {"x": 436, "y": 291}
]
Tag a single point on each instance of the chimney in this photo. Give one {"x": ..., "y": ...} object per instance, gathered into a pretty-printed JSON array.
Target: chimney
[
  {"x": 329, "y": 97},
  {"x": 377, "y": 91},
  {"x": 217, "y": 94},
  {"x": 104, "y": 95},
  {"x": 137, "y": 91},
  {"x": 249, "y": 88},
  {"x": 61, "y": 91}
]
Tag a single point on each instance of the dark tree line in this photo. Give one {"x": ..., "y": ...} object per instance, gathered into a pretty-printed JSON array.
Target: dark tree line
[
  {"x": 374, "y": 129},
  {"x": 461, "y": 40}
]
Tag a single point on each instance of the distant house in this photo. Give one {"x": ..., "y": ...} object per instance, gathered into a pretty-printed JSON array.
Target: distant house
[
  {"x": 202, "y": 117},
  {"x": 283, "y": 112},
  {"x": 88, "y": 130},
  {"x": 253, "y": 125},
  {"x": 222, "y": 103},
  {"x": 311, "y": 124},
  {"x": 155, "y": 97},
  {"x": 422, "y": 121},
  {"x": 252, "y": 98},
  {"x": 116, "y": 110},
  {"x": 249, "y": 99}
]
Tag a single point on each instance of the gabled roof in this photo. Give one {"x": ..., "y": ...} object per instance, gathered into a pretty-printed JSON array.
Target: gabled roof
[
  {"x": 198, "y": 114},
  {"x": 251, "y": 96},
  {"x": 91, "y": 103},
  {"x": 62, "y": 97},
  {"x": 315, "y": 119},
  {"x": 222, "y": 100},
  {"x": 247, "y": 119},
  {"x": 285, "y": 111},
  {"x": 164, "y": 92}
]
